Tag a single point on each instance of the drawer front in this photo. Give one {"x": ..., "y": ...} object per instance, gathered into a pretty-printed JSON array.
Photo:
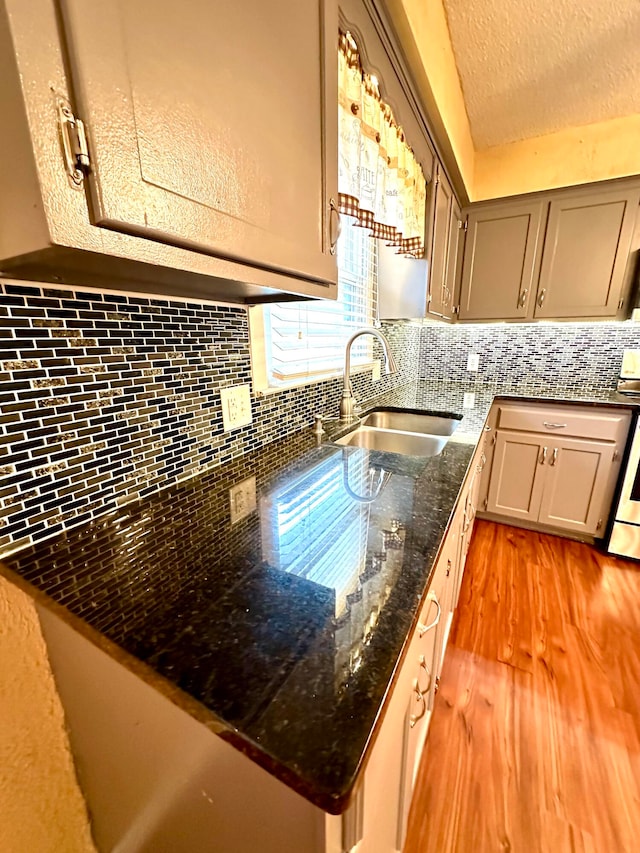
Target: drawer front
[{"x": 602, "y": 424}]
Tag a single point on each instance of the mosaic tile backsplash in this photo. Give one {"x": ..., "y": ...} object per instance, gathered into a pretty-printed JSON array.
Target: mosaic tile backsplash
[
  {"x": 580, "y": 356},
  {"x": 106, "y": 398}
]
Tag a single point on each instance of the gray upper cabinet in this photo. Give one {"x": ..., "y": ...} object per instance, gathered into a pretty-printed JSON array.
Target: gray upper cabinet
[
  {"x": 438, "y": 303},
  {"x": 563, "y": 255},
  {"x": 212, "y": 137},
  {"x": 585, "y": 254},
  {"x": 454, "y": 261},
  {"x": 499, "y": 261}
]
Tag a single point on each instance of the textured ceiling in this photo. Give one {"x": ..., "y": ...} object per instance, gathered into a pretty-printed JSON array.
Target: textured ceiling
[{"x": 531, "y": 67}]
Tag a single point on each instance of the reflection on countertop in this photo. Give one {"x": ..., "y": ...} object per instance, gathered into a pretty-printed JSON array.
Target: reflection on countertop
[{"x": 286, "y": 625}]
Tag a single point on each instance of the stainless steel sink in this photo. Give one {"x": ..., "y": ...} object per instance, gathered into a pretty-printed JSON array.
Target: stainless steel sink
[
  {"x": 406, "y": 432},
  {"x": 410, "y": 421}
]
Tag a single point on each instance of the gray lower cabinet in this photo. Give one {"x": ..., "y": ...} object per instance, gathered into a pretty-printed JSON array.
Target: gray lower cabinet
[
  {"x": 499, "y": 262},
  {"x": 517, "y": 475},
  {"x": 212, "y": 140},
  {"x": 558, "y": 256},
  {"x": 556, "y": 466}
]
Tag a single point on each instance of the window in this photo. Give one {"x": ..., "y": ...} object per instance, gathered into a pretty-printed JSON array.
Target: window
[{"x": 304, "y": 341}]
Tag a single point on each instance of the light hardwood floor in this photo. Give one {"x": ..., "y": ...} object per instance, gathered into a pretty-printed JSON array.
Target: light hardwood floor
[{"x": 534, "y": 745}]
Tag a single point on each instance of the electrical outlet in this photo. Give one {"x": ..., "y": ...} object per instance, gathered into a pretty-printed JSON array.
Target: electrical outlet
[
  {"x": 473, "y": 362},
  {"x": 236, "y": 406},
  {"x": 469, "y": 400},
  {"x": 242, "y": 499},
  {"x": 375, "y": 373}
]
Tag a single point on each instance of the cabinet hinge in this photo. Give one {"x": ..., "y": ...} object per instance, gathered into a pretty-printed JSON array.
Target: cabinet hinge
[
  {"x": 599, "y": 524},
  {"x": 74, "y": 143},
  {"x": 485, "y": 503}
]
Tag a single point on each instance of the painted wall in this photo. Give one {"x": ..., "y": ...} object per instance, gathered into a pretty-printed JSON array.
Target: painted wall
[
  {"x": 578, "y": 155},
  {"x": 423, "y": 32},
  {"x": 42, "y": 807}
]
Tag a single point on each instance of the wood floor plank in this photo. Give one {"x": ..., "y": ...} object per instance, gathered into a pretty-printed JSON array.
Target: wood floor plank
[{"x": 534, "y": 745}]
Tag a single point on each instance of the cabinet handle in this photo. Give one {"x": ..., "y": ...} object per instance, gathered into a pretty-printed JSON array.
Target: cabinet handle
[
  {"x": 523, "y": 298},
  {"x": 544, "y": 455},
  {"x": 448, "y": 568},
  {"x": 422, "y": 629},
  {"x": 549, "y": 425},
  {"x": 415, "y": 718},
  {"x": 543, "y": 293},
  {"x": 335, "y": 225},
  {"x": 554, "y": 456},
  {"x": 425, "y": 667}
]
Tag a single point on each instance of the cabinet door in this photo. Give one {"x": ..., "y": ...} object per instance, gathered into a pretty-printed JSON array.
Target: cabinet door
[
  {"x": 423, "y": 665},
  {"x": 517, "y": 475},
  {"x": 499, "y": 261},
  {"x": 206, "y": 125},
  {"x": 451, "y": 279},
  {"x": 440, "y": 247},
  {"x": 579, "y": 481},
  {"x": 383, "y": 776},
  {"x": 443, "y": 587},
  {"x": 585, "y": 254},
  {"x": 421, "y": 662}
]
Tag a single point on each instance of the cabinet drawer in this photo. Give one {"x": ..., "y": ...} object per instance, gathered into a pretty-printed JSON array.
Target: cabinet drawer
[{"x": 606, "y": 425}]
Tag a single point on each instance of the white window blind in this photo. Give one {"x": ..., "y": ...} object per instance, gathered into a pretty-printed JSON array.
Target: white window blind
[{"x": 308, "y": 339}]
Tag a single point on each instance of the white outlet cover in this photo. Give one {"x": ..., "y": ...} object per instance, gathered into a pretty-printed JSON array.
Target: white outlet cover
[
  {"x": 469, "y": 400},
  {"x": 236, "y": 406},
  {"x": 242, "y": 499},
  {"x": 473, "y": 361}
]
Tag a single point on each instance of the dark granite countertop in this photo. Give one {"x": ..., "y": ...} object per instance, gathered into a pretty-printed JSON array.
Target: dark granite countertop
[{"x": 287, "y": 626}]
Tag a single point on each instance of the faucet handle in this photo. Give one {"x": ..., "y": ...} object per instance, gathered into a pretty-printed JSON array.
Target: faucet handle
[{"x": 318, "y": 429}]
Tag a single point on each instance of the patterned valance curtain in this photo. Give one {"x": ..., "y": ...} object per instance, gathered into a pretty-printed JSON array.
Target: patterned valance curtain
[{"x": 380, "y": 182}]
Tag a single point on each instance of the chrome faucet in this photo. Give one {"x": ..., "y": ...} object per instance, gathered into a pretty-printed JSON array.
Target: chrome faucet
[{"x": 348, "y": 401}]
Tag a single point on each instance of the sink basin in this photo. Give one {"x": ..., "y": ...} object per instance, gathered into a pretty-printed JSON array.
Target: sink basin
[
  {"x": 407, "y": 432},
  {"x": 409, "y": 421}
]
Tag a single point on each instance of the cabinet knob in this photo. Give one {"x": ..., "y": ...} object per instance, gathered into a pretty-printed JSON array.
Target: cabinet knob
[{"x": 541, "y": 297}]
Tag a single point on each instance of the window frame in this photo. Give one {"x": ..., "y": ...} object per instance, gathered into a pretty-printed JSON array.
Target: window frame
[{"x": 263, "y": 379}]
